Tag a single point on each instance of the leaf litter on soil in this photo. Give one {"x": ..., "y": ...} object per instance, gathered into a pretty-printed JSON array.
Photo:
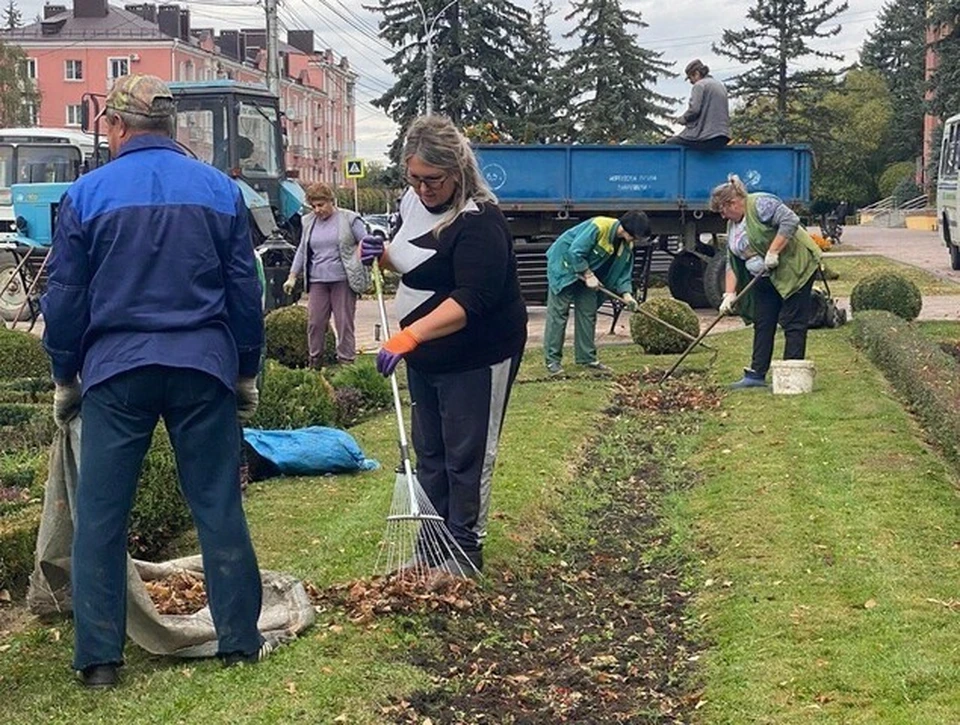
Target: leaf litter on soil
[{"x": 179, "y": 593}]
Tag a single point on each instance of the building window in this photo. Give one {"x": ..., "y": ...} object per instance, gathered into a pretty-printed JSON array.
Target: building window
[
  {"x": 73, "y": 115},
  {"x": 28, "y": 69},
  {"x": 117, "y": 68},
  {"x": 73, "y": 70}
]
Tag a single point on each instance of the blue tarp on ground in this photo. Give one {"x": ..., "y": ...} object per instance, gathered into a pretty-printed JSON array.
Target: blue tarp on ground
[{"x": 309, "y": 451}]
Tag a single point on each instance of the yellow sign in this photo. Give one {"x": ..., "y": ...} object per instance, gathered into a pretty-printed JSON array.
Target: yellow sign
[{"x": 355, "y": 169}]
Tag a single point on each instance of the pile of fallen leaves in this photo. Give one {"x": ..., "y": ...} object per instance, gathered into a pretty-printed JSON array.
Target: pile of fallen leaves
[
  {"x": 641, "y": 391},
  {"x": 178, "y": 593},
  {"x": 402, "y": 592}
]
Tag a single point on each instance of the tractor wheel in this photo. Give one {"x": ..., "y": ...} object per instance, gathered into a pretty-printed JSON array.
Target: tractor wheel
[
  {"x": 685, "y": 279},
  {"x": 954, "y": 257},
  {"x": 13, "y": 292},
  {"x": 715, "y": 279}
]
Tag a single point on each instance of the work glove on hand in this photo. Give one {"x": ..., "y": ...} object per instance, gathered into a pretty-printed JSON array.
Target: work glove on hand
[
  {"x": 248, "y": 398},
  {"x": 590, "y": 279},
  {"x": 289, "y": 285},
  {"x": 630, "y": 302},
  {"x": 66, "y": 401},
  {"x": 726, "y": 306},
  {"x": 393, "y": 351},
  {"x": 771, "y": 260},
  {"x": 371, "y": 249}
]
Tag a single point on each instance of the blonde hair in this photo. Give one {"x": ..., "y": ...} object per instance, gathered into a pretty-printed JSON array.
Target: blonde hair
[
  {"x": 320, "y": 191},
  {"x": 437, "y": 142},
  {"x": 729, "y": 190}
]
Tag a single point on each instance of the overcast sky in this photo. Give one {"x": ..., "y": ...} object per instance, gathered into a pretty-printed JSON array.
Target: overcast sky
[{"x": 679, "y": 29}]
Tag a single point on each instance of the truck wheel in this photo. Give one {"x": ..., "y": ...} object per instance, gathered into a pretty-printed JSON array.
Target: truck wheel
[
  {"x": 954, "y": 257},
  {"x": 715, "y": 279},
  {"x": 12, "y": 290},
  {"x": 685, "y": 279}
]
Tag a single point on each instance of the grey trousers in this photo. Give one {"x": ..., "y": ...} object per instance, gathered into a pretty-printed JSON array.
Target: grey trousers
[{"x": 338, "y": 298}]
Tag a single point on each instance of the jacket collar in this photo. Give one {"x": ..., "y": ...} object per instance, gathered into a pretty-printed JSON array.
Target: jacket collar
[{"x": 149, "y": 141}]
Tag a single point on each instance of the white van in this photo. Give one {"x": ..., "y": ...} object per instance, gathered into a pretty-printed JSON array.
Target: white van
[{"x": 948, "y": 199}]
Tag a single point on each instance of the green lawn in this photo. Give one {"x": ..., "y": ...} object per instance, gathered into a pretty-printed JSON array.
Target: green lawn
[
  {"x": 822, "y": 529},
  {"x": 853, "y": 269}
]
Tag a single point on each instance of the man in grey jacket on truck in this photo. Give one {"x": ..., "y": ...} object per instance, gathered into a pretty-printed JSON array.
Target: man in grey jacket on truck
[{"x": 707, "y": 118}]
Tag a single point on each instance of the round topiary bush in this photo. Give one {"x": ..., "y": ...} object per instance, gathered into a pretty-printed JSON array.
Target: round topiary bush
[
  {"x": 22, "y": 356},
  {"x": 286, "y": 337},
  {"x": 656, "y": 338},
  {"x": 887, "y": 291}
]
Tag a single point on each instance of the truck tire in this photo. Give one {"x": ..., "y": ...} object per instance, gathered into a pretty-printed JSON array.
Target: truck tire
[
  {"x": 12, "y": 290},
  {"x": 954, "y": 256},
  {"x": 715, "y": 279},
  {"x": 685, "y": 279}
]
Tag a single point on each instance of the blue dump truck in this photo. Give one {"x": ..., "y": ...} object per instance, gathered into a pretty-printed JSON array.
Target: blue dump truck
[{"x": 544, "y": 190}]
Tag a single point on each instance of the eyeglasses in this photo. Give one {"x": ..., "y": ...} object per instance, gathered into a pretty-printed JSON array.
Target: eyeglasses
[{"x": 431, "y": 182}]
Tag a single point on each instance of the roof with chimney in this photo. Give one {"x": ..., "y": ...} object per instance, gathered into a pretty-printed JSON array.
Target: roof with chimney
[{"x": 96, "y": 21}]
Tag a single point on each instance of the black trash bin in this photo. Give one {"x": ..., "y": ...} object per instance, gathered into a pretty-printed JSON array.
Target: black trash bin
[{"x": 277, "y": 258}]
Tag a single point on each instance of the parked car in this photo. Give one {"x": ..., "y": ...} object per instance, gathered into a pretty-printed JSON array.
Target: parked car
[{"x": 378, "y": 225}]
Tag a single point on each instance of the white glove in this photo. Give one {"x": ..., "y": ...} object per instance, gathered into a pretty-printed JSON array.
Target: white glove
[
  {"x": 771, "y": 260},
  {"x": 66, "y": 401},
  {"x": 590, "y": 279},
  {"x": 630, "y": 302},
  {"x": 289, "y": 285},
  {"x": 248, "y": 398},
  {"x": 726, "y": 306}
]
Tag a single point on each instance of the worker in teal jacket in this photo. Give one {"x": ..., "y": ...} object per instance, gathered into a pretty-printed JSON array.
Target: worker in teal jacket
[{"x": 594, "y": 252}]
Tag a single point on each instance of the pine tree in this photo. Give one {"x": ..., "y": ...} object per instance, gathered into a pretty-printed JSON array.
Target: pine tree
[
  {"x": 12, "y": 17},
  {"x": 945, "y": 82},
  {"x": 543, "y": 113},
  {"x": 481, "y": 51},
  {"x": 896, "y": 48},
  {"x": 778, "y": 38},
  {"x": 609, "y": 77}
]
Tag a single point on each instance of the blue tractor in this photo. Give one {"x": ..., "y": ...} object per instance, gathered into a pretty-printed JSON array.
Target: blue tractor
[{"x": 233, "y": 126}]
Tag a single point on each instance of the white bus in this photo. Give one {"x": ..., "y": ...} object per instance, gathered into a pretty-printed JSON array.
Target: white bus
[{"x": 948, "y": 199}]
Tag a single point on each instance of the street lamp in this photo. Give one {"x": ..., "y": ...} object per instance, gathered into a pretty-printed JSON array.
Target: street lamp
[{"x": 429, "y": 28}]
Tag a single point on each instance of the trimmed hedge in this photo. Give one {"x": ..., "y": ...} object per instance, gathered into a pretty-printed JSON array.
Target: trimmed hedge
[
  {"x": 293, "y": 399},
  {"x": 656, "y": 338},
  {"x": 26, "y": 427},
  {"x": 922, "y": 373},
  {"x": 887, "y": 291},
  {"x": 22, "y": 356},
  {"x": 18, "y": 538},
  {"x": 286, "y": 336}
]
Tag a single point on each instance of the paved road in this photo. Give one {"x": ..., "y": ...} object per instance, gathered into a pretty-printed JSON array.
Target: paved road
[{"x": 921, "y": 249}]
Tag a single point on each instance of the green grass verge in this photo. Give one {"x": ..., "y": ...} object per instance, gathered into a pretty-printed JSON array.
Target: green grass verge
[{"x": 853, "y": 269}]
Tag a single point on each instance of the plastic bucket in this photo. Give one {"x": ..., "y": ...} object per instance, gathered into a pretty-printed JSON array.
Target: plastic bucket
[{"x": 792, "y": 377}]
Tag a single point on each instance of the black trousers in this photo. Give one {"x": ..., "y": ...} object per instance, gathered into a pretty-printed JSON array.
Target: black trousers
[
  {"x": 793, "y": 315},
  {"x": 707, "y": 144},
  {"x": 457, "y": 419}
]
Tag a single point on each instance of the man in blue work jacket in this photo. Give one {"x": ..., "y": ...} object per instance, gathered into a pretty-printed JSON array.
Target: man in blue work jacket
[
  {"x": 594, "y": 252},
  {"x": 153, "y": 310}
]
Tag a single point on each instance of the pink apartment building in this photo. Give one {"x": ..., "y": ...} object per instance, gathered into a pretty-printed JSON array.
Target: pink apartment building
[{"x": 82, "y": 49}]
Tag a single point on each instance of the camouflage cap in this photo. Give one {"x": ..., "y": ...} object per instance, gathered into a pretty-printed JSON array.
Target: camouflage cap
[{"x": 141, "y": 95}]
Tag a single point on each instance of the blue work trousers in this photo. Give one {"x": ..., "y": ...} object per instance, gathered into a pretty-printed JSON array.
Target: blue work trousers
[{"x": 119, "y": 416}]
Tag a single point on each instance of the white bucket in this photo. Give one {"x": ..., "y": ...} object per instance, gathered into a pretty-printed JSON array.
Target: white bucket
[{"x": 792, "y": 377}]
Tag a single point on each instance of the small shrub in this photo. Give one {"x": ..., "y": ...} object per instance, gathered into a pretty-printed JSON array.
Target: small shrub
[
  {"x": 349, "y": 404},
  {"x": 286, "y": 336},
  {"x": 18, "y": 537},
  {"x": 887, "y": 291},
  {"x": 26, "y": 427},
  {"x": 292, "y": 399},
  {"x": 658, "y": 339},
  {"x": 363, "y": 376},
  {"x": 893, "y": 175},
  {"x": 22, "y": 356},
  {"x": 27, "y": 390},
  {"x": 923, "y": 374}
]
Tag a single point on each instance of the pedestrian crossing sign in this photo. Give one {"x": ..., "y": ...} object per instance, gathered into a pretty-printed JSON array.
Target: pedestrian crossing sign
[{"x": 355, "y": 169}]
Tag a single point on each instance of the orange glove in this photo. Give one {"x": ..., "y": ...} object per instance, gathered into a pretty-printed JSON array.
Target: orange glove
[{"x": 393, "y": 350}]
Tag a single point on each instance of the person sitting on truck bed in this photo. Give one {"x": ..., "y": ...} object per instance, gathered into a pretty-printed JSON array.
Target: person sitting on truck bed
[
  {"x": 596, "y": 251},
  {"x": 707, "y": 118},
  {"x": 765, "y": 240}
]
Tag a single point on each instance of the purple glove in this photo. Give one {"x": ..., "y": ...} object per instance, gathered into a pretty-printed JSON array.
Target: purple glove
[
  {"x": 394, "y": 349},
  {"x": 371, "y": 249},
  {"x": 387, "y": 362}
]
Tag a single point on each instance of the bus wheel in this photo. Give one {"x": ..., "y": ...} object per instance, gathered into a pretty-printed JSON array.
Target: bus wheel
[
  {"x": 954, "y": 256},
  {"x": 13, "y": 292}
]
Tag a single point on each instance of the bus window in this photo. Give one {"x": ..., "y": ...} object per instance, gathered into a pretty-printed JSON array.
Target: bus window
[{"x": 47, "y": 163}]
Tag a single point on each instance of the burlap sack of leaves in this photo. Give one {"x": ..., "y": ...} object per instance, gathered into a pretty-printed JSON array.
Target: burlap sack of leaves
[{"x": 286, "y": 608}]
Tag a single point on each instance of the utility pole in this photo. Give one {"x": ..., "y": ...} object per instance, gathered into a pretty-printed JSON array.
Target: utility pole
[
  {"x": 429, "y": 28},
  {"x": 273, "y": 48}
]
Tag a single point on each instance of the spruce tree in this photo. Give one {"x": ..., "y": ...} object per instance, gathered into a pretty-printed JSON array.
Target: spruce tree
[
  {"x": 12, "y": 17},
  {"x": 543, "y": 112},
  {"x": 778, "y": 38},
  {"x": 480, "y": 50},
  {"x": 896, "y": 48},
  {"x": 608, "y": 78}
]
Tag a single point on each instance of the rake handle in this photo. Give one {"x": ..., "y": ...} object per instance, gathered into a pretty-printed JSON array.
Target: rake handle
[{"x": 704, "y": 333}]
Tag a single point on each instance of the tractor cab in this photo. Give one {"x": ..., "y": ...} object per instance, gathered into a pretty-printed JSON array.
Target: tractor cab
[{"x": 236, "y": 127}]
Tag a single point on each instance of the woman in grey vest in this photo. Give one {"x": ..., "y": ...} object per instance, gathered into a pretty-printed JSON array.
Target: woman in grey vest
[{"x": 333, "y": 276}]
